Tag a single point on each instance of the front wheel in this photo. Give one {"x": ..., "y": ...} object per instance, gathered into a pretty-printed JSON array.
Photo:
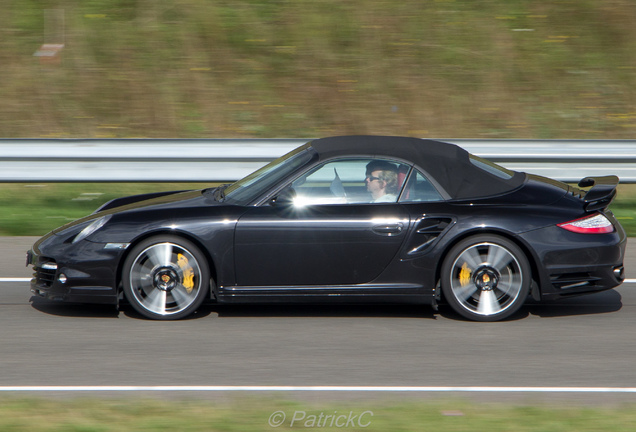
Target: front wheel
[
  {"x": 165, "y": 277},
  {"x": 485, "y": 278}
]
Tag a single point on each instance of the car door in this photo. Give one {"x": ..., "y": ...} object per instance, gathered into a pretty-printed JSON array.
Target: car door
[{"x": 329, "y": 234}]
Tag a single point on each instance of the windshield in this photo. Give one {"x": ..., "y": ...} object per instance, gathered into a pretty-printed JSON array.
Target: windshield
[{"x": 254, "y": 185}]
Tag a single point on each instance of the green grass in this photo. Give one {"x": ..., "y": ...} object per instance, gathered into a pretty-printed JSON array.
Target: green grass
[
  {"x": 253, "y": 413},
  {"x": 35, "y": 209},
  {"x": 624, "y": 207},
  {"x": 264, "y": 68}
]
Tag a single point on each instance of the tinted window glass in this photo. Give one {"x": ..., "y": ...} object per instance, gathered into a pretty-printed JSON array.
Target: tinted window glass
[{"x": 350, "y": 181}]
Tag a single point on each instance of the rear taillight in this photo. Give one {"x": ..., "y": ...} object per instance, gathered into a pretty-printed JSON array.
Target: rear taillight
[{"x": 595, "y": 224}]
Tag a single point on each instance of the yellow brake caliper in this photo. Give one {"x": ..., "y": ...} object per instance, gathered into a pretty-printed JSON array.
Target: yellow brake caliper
[
  {"x": 464, "y": 275},
  {"x": 188, "y": 273}
]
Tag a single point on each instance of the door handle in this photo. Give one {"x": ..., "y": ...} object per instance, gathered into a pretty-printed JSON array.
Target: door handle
[{"x": 388, "y": 229}]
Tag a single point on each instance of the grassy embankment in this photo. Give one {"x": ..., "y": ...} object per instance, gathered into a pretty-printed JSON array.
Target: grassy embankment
[
  {"x": 262, "y": 68},
  {"x": 254, "y": 414}
]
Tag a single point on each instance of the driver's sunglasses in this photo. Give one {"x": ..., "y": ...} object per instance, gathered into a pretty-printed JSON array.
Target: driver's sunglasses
[{"x": 371, "y": 178}]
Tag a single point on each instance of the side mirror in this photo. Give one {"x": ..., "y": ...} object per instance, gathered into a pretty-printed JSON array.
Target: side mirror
[{"x": 284, "y": 198}]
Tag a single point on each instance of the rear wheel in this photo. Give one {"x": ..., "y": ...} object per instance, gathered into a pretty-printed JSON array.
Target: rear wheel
[
  {"x": 486, "y": 278},
  {"x": 165, "y": 277}
]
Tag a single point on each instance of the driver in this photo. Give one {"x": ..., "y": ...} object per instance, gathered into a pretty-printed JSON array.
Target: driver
[{"x": 381, "y": 181}]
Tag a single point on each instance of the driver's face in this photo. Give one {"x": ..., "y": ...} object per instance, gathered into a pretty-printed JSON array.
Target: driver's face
[{"x": 374, "y": 184}]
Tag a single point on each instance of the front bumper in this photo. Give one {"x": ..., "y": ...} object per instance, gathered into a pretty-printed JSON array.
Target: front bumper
[{"x": 85, "y": 272}]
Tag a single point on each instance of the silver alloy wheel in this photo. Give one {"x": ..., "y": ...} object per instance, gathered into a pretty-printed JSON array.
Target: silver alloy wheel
[
  {"x": 165, "y": 279},
  {"x": 486, "y": 279}
]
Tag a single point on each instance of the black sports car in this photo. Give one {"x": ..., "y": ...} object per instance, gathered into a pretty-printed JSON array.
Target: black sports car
[{"x": 345, "y": 219}]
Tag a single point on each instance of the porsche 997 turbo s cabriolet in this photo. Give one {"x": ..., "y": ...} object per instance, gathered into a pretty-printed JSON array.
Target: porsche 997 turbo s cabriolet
[{"x": 345, "y": 219}]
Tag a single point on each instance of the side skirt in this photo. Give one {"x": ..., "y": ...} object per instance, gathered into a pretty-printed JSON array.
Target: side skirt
[{"x": 366, "y": 293}]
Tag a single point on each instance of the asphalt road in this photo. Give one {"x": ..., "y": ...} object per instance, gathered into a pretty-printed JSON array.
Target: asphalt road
[{"x": 582, "y": 342}]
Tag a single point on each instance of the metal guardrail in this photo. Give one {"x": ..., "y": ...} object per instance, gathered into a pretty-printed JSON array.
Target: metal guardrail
[{"x": 222, "y": 160}]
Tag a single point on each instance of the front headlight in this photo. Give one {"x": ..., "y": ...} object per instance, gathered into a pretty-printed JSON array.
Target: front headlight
[{"x": 90, "y": 229}]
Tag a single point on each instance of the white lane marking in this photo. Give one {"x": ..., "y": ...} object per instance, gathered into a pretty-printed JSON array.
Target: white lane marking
[{"x": 317, "y": 389}]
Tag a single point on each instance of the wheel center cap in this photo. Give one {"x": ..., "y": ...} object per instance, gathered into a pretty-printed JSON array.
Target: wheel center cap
[
  {"x": 486, "y": 279},
  {"x": 165, "y": 279}
]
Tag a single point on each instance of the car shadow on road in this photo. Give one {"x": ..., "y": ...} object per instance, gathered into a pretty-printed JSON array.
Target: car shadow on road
[
  {"x": 321, "y": 310},
  {"x": 84, "y": 310},
  {"x": 605, "y": 302},
  {"x": 591, "y": 304},
  {"x": 290, "y": 311},
  {"x": 75, "y": 310}
]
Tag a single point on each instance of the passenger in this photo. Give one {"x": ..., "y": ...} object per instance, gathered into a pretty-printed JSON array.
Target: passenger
[{"x": 382, "y": 181}]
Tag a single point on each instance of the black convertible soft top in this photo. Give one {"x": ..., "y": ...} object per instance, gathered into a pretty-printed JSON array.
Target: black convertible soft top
[{"x": 448, "y": 164}]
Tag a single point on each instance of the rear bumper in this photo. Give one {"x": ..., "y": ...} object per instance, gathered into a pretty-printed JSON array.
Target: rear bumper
[
  {"x": 569, "y": 264},
  {"x": 585, "y": 281}
]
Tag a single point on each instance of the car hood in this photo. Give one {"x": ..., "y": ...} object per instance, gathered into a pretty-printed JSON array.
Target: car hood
[
  {"x": 167, "y": 201},
  {"x": 151, "y": 199}
]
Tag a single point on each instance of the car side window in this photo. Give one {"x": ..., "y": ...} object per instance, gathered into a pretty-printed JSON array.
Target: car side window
[
  {"x": 419, "y": 189},
  {"x": 351, "y": 181}
]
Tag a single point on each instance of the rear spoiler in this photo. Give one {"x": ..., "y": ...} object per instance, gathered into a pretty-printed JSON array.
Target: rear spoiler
[{"x": 602, "y": 193}]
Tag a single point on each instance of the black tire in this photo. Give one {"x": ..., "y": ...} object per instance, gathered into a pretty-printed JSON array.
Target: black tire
[
  {"x": 166, "y": 277},
  {"x": 486, "y": 278}
]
